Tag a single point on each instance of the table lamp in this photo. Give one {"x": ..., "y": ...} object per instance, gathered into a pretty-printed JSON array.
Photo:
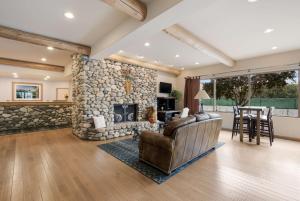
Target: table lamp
[{"x": 201, "y": 95}]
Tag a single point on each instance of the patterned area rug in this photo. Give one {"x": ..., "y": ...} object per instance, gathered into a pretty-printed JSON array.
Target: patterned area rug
[{"x": 127, "y": 151}]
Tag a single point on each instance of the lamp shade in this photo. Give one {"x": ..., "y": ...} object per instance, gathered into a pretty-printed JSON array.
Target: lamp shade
[{"x": 202, "y": 95}]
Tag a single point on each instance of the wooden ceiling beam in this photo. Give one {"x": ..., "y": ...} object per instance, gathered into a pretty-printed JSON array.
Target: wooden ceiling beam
[
  {"x": 157, "y": 67},
  {"x": 134, "y": 8},
  {"x": 194, "y": 41},
  {"x": 15, "y": 34},
  {"x": 32, "y": 65}
]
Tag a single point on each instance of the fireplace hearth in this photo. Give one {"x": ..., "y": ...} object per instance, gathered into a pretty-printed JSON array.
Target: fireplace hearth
[{"x": 125, "y": 113}]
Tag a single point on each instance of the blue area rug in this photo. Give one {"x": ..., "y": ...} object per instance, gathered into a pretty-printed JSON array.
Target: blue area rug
[{"x": 127, "y": 151}]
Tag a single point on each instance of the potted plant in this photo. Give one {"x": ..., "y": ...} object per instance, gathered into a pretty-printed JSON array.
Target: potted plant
[{"x": 177, "y": 95}]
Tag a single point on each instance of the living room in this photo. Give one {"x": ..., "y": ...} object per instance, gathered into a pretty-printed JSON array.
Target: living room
[{"x": 149, "y": 100}]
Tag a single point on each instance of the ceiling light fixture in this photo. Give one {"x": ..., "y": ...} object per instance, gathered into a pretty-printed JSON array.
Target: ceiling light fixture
[
  {"x": 156, "y": 61},
  {"x": 182, "y": 68},
  {"x": 252, "y": 1},
  {"x": 140, "y": 57},
  {"x": 274, "y": 48},
  {"x": 268, "y": 31},
  {"x": 50, "y": 48},
  {"x": 147, "y": 44},
  {"x": 177, "y": 55},
  {"x": 69, "y": 15},
  {"x": 15, "y": 75},
  {"x": 197, "y": 63},
  {"x": 43, "y": 59},
  {"x": 121, "y": 51},
  {"x": 171, "y": 65}
]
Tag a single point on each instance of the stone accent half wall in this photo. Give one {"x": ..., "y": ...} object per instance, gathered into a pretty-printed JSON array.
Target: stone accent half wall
[
  {"x": 18, "y": 117},
  {"x": 98, "y": 85}
]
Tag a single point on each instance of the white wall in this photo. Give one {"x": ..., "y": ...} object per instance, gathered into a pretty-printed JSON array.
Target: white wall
[
  {"x": 166, "y": 77},
  {"x": 284, "y": 126},
  {"x": 49, "y": 88}
]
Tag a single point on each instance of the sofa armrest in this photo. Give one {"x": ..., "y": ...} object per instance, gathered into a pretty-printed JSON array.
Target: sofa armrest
[{"x": 157, "y": 139}]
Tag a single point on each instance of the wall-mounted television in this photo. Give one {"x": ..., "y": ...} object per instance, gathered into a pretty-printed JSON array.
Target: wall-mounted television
[{"x": 165, "y": 87}]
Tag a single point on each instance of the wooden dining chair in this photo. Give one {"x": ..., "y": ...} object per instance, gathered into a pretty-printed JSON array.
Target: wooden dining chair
[
  {"x": 266, "y": 125},
  {"x": 236, "y": 123}
]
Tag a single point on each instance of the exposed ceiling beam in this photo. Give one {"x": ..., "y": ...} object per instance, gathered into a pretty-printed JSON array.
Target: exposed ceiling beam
[
  {"x": 15, "y": 34},
  {"x": 161, "y": 14},
  {"x": 194, "y": 41},
  {"x": 134, "y": 8},
  {"x": 33, "y": 65},
  {"x": 157, "y": 67}
]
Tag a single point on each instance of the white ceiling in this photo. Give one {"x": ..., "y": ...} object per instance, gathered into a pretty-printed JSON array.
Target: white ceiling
[
  {"x": 31, "y": 74},
  {"x": 164, "y": 48},
  {"x": 28, "y": 52},
  {"x": 233, "y": 26},
  {"x": 93, "y": 18},
  {"x": 236, "y": 27}
]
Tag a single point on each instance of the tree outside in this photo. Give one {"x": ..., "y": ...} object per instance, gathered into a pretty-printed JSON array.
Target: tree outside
[{"x": 271, "y": 85}]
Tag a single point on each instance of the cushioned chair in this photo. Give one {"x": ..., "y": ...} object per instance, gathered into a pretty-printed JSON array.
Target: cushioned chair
[{"x": 183, "y": 140}]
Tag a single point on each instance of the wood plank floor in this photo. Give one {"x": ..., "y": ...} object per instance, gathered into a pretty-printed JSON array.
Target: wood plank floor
[{"x": 55, "y": 165}]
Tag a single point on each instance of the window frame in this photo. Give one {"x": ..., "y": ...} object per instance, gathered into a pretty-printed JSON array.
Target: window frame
[{"x": 214, "y": 78}]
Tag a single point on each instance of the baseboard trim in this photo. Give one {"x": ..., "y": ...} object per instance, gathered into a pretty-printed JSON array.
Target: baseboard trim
[
  {"x": 276, "y": 136},
  {"x": 287, "y": 138}
]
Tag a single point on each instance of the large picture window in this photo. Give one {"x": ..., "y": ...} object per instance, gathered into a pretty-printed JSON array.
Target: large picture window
[{"x": 279, "y": 90}]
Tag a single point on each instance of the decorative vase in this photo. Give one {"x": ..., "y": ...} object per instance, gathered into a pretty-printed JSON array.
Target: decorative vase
[{"x": 128, "y": 86}]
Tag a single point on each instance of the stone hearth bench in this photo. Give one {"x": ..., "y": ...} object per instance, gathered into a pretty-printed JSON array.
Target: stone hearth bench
[{"x": 119, "y": 130}]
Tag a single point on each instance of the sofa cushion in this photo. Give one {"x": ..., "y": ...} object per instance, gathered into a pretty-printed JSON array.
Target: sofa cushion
[
  {"x": 172, "y": 125},
  {"x": 214, "y": 115},
  {"x": 202, "y": 117}
]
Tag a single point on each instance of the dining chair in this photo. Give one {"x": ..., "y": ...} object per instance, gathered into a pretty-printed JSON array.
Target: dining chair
[
  {"x": 266, "y": 125},
  {"x": 236, "y": 123}
]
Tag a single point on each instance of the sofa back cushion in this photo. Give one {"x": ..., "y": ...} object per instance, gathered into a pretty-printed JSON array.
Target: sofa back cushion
[
  {"x": 194, "y": 139},
  {"x": 202, "y": 117},
  {"x": 173, "y": 125}
]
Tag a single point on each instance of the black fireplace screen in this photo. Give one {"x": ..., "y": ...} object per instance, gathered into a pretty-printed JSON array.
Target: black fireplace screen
[{"x": 125, "y": 112}]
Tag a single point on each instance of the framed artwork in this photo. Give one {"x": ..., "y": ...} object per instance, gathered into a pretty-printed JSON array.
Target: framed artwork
[
  {"x": 23, "y": 91},
  {"x": 62, "y": 94}
]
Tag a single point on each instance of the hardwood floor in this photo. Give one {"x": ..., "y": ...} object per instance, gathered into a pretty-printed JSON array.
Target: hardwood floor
[{"x": 55, "y": 165}]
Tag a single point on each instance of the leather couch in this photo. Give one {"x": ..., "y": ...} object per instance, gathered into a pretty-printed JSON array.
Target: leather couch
[{"x": 182, "y": 141}]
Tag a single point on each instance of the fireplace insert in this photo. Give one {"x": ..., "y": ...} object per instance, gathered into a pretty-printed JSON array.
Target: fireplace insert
[{"x": 125, "y": 112}]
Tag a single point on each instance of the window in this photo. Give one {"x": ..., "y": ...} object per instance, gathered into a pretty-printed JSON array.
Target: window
[
  {"x": 279, "y": 90},
  {"x": 231, "y": 91},
  {"x": 207, "y": 87}
]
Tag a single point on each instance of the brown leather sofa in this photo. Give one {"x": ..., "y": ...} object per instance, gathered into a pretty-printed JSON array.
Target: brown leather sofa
[{"x": 182, "y": 141}]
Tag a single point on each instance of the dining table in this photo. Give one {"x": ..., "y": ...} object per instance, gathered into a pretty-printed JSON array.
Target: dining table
[{"x": 249, "y": 109}]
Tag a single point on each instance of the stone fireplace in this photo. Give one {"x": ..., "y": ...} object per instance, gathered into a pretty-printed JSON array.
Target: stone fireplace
[
  {"x": 125, "y": 113},
  {"x": 98, "y": 89}
]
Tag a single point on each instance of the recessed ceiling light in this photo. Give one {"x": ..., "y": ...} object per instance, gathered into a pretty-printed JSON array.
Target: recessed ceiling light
[
  {"x": 197, "y": 63},
  {"x": 252, "y": 1},
  {"x": 50, "y": 48},
  {"x": 140, "y": 57},
  {"x": 177, "y": 55},
  {"x": 182, "y": 68},
  {"x": 274, "y": 48},
  {"x": 147, "y": 44},
  {"x": 15, "y": 75},
  {"x": 69, "y": 15},
  {"x": 156, "y": 62},
  {"x": 121, "y": 51},
  {"x": 43, "y": 59},
  {"x": 268, "y": 31}
]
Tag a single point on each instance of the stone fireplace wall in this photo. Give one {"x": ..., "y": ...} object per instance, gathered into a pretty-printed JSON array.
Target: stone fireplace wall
[{"x": 98, "y": 85}]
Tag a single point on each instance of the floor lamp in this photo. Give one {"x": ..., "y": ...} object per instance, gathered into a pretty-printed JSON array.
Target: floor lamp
[{"x": 201, "y": 95}]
